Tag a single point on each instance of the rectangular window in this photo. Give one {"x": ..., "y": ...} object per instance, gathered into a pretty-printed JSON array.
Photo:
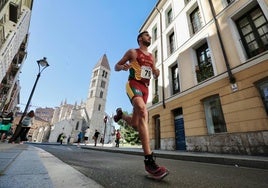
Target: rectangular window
[
  {"x": 229, "y": 1},
  {"x": 2, "y": 35},
  {"x": 93, "y": 83},
  {"x": 253, "y": 30},
  {"x": 156, "y": 95},
  {"x": 95, "y": 73},
  {"x": 103, "y": 83},
  {"x": 101, "y": 94},
  {"x": 169, "y": 17},
  {"x": 214, "y": 115},
  {"x": 156, "y": 86},
  {"x": 263, "y": 89},
  {"x": 156, "y": 55},
  {"x": 155, "y": 34},
  {"x": 186, "y": 1},
  {"x": 204, "y": 69},
  {"x": 196, "y": 20},
  {"x": 175, "y": 79},
  {"x": 77, "y": 125},
  {"x": 171, "y": 39},
  {"x": 13, "y": 12}
]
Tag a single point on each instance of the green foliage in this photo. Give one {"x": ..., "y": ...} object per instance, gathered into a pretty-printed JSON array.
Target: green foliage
[
  {"x": 155, "y": 99},
  {"x": 128, "y": 133}
]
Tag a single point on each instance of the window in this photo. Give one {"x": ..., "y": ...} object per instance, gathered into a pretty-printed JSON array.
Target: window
[
  {"x": 196, "y": 21},
  {"x": 91, "y": 94},
  {"x": 93, "y": 83},
  {"x": 175, "y": 79},
  {"x": 204, "y": 69},
  {"x": 2, "y": 35},
  {"x": 103, "y": 83},
  {"x": 99, "y": 107},
  {"x": 14, "y": 12},
  {"x": 186, "y": 1},
  {"x": 101, "y": 94},
  {"x": 253, "y": 30},
  {"x": 156, "y": 96},
  {"x": 169, "y": 17},
  {"x": 214, "y": 116},
  {"x": 77, "y": 125},
  {"x": 171, "y": 40},
  {"x": 263, "y": 89},
  {"x": 229, "y": 1},
  {"x": 104, "y": 74},
  {"x": 95, "y": 73},
  {"x": 155, "y": 34},
  {"x": 156, "y": 55}
]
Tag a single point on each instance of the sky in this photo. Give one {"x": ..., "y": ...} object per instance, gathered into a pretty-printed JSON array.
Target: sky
[{"x": 73, "y": 36}]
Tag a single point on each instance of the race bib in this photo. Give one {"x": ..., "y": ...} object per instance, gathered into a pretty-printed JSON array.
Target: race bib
[{"x": 146, "y": 72}]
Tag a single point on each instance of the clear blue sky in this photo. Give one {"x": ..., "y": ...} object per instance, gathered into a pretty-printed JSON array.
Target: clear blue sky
[{"x": 74, "y": 35}]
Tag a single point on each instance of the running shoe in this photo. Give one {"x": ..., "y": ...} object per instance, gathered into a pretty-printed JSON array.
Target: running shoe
[
  {"x": 153, "y": 170},
  {"x": 119, "y": 114}
]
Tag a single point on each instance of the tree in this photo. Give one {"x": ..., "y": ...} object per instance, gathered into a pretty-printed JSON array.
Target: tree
[{"x": 129, "y": 134}]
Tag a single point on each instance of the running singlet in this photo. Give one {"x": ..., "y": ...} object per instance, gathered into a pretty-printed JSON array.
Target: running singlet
[{"x": 141, "y": 69}]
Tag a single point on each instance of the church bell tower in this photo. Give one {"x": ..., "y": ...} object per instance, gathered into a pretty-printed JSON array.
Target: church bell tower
[{"x": 97, "y": 94}]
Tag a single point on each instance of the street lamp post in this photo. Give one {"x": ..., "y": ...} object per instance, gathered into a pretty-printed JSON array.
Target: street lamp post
[
  {"x": 105, "y": 122},
  {"x": 42, "y": 64}
]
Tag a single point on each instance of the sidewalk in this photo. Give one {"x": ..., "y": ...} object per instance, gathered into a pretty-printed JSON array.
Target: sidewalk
[{"x": 23, "y": 165}]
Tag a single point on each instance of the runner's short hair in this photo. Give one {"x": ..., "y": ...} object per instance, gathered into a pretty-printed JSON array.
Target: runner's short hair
[{"x": 140, "y": 34}]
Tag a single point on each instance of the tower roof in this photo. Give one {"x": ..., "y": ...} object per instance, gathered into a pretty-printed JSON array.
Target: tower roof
[{"x": 103, "y": 62}]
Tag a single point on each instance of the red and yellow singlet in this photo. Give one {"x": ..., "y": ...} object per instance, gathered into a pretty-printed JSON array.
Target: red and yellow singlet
[{"x": 141, "y": 69}]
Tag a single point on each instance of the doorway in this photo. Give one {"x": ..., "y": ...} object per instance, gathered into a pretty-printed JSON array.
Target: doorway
[
  {"x": 179, "y": 130},
  {"x": 157, "y": 132}
]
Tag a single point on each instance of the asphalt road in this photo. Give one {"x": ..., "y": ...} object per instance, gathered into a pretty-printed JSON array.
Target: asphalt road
[{"x": 116, "y": 170}]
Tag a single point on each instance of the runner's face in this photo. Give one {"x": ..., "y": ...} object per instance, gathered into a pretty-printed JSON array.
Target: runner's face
[{"x": 146, "y": 39}]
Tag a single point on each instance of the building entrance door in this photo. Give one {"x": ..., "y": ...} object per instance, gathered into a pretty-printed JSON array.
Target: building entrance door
[
  {"x": 157, "y": 133},
  {"x": 179, "y": 133}
]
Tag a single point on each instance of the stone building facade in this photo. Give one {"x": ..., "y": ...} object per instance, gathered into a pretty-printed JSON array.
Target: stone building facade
[
  {"x": 212, "y": 92},
  {"x": 15, "y": 19},
  {"x": 96, "y": 99},
  {"x": 71, "y": 119}
]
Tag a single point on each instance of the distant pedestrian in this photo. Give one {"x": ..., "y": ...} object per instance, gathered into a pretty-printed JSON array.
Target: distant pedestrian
[
  {"x": 117, "y": 138},
  {"x": 5, "y": 125},
  {"x": 87, "y": 132},
  {"x": 68, "y": 140},
  {"x": 79, "y": 138},
  {"x": 101, "y": 140},
  {"x": 25, "y": 127},
  {"x": 95, "y": 137},
  {"x": 62, "y": 136}
]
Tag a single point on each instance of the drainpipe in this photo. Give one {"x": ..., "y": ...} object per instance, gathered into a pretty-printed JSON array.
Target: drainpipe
[
  {"x": 232, "y": 79},
  {"x": 162, "y": 59}
]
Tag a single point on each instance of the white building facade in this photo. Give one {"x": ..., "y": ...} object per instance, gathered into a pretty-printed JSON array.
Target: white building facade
[
  {"x": 15, "y": 16},
  {"x": 212, "y": 94},
  {"x": 70, "y": 120}
]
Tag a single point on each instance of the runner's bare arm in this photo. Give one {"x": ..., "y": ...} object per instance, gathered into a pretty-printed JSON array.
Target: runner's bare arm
[
  {"x": 156, "y": 71},
  {"x": 123, "y": 64}
]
